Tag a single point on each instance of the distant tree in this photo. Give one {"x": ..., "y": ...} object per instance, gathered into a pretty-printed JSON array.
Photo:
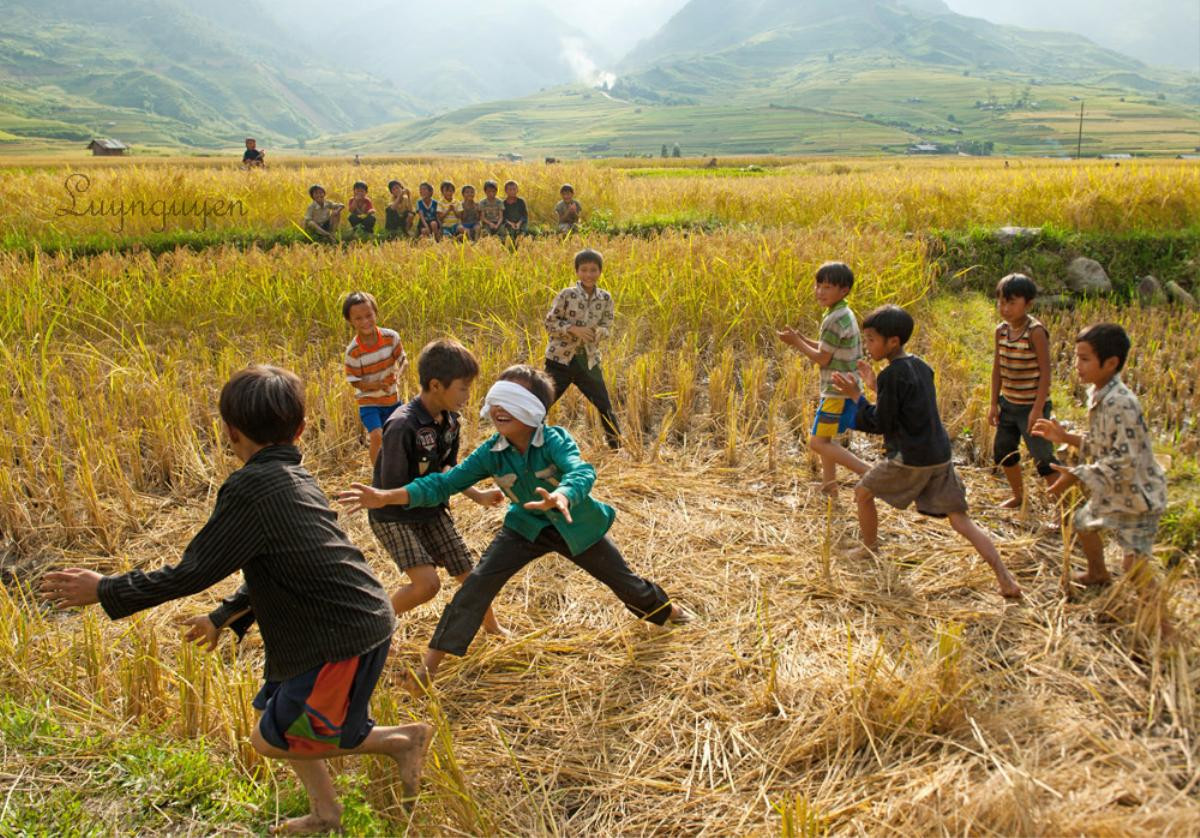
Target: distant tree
[
  {"x": 952, "y": 118},
  {"x": 664, "y": 150},
  {"x": 300, "y": 142},
  {"x": 829, "y": 58},
  {"x": 675, "y": 152}
]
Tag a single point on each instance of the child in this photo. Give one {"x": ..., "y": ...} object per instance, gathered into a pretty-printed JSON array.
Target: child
[
  {"x": 322, "y": 217},
  {"x": 491, "y": 210},
  {"x": 362, "y": 211},
  {"x": 551, "y": 510},
  {"x": 516, "y": 216},
  {"x": 374, "y": 358},
  {"x": 568, "y": 210},
  {"x": 838, "y": 351},
  {"x": 918, "y": 467},
  {"x": 1127, "y": 487},
  {"x": 398, "y": 214},
  {"x": 253, "y": 156},
  {"x": 427, "y": 213},
  {"x": 581, "y": 317},
  {"x": 1020, "y": 385},
  {"x": 469, "y": 214},
  {"x": 325, "y": 619},
  {"x": 448, "y": 211},
  {"x": 421, "y": 438}
]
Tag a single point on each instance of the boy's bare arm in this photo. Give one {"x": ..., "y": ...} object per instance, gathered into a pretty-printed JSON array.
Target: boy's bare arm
[
  {"x": 994, "y": 410},
  {"x": 1041, "y": 346}
]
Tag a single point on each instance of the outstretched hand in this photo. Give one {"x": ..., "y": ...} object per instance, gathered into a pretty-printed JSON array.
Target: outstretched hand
[
  {"x": 789, "y": 336},
  {"x": 867, "y": 373},
  {"x": 551, "y": 501},
  {"x": 360, "y": 496},
  {"x": 489, "y": 497},
  {"x": 72, "y": 588},
  {"x": 1065, "y": 479},
  {"x": 847, "y": 385},
  {"x": 1051, "y": 430},
  {"x": 201, "y": 631}
]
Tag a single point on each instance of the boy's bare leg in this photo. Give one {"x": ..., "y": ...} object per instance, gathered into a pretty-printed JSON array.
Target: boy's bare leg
[
  {"x": 490, "y": 624},
  {"x": 375, "y": 442},
  {"x": 1017, "y": 484},
  {"x": 325, "y": 813},
  {"x": 983, "y": 545},
  {"x": 833, "y": 454},
  {"x": 423, "y": 676},
  {"x": 423, "y": 585},
  {"x": 868, "y": 517},
  {"x": 1093, "y": 548}
]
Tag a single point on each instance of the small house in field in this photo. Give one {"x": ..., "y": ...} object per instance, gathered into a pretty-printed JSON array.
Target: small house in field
[{"x": 107, "y": 148}]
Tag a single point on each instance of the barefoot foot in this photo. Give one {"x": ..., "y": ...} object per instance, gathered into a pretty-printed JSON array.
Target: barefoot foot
[
  {"x": 1012, "y": 503},
  {"x": 1088, "y": 580},
  {"x": 309, "y": 825},
  {"x": 416, "y": 682},
  {"x": 409, "y": 755}
]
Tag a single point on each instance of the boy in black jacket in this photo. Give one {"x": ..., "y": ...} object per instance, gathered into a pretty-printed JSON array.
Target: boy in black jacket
[{"x": 918, "y": 465}]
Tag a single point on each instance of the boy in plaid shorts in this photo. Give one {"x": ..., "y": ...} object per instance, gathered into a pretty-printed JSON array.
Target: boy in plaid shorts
[{"x": 420, "y": 438}]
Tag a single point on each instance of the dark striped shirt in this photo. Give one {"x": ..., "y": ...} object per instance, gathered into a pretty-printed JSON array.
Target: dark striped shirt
[
  {"x": 1019, "y": 373},
  {"x": 314, "y": 597}
]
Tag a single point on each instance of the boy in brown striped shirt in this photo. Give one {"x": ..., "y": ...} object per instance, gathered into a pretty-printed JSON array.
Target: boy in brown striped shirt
[
  {"x": 374, "y": 359},
  {"x": 1020, "y": 385}
]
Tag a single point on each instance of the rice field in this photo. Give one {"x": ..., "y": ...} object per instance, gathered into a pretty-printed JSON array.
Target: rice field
[{"x": 814, "y": 695}]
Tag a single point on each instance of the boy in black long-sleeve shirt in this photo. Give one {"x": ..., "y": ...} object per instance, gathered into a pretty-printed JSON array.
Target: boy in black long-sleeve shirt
[
  {"x": 325, "y": 619},
  {"x": 918, "y": 465}
]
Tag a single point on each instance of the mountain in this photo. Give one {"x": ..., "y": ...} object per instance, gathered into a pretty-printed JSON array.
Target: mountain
[
  {"x": 827, "y": 76},
  {"x": 165, "y": 72},
  {"x": 446, "y": 58}
]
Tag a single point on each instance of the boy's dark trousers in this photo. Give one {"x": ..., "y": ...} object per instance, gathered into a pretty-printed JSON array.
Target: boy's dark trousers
[
  {"x": 509, "y": 552},
  {"x": 365, "y": 221},
  {"x": 591, "y": 383},
  {"x": 394, "y": 223}
]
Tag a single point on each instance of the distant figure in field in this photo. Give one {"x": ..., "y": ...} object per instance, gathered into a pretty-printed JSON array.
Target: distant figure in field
[
  {"x": 428, "y": 223},
  {"x": 362, "y": 211},
  {"x": 397, "y": 216},
  {"x": 322, "y": 217},
  {"x": 491, "y": 210},
  {"x": 516, "y": 215},
  {"x": 918, "y": 468},
  {"x": 469, "y": 214},
  {"x": 568, "y": 210},
  {"x": 325, "y": 618},
  {"x": 253, "y": 156}
]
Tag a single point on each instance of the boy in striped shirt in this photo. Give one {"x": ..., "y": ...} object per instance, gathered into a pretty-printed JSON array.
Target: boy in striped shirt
[
  {"x": 374, "y": 359},
  {"x": 1020, "y": 386},
  {"x": 838, "y": 350}
]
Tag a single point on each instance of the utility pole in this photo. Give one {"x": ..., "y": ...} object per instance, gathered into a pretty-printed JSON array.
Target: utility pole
[{"x": 1079, "y": 143}]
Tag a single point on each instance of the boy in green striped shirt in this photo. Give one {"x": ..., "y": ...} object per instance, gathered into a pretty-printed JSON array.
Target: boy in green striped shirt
[{"x": 838, "y": 349}]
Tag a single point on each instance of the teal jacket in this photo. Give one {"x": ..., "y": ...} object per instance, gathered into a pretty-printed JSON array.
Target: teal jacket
[{"x": 551, "y": 462}]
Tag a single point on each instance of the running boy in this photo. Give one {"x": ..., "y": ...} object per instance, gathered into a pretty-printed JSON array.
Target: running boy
[
  {"x": 362, "y": 211},
  {"x": 1020, "y": 385},
  {"x": 448, "y": 211},
  {"x": 397, "y": 215},
  {"x": 491, "y": 210},
  {"x": 567, "y": 210},
  {"x": 1127, "y": 488},
  {"x": 428, "y": 223},
  {"x": 838, "y": 351},
  {"x": 421, "y": 438},
  {"x": 551, "y": 510},
  {"x": 374, "y": 358},
  {"x": 322, "y": 217},
  {"x": 325, "y": 619},
  {"x": 918, "y": 466},
  {"x": 581, "y": 317}
]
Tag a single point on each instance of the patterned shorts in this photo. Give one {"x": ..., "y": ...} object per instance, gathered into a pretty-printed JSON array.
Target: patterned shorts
[
  {"x": 835, "y": 415},
  {"x": 432, "y": 542},
  {"x": 1135, "y": 533}
]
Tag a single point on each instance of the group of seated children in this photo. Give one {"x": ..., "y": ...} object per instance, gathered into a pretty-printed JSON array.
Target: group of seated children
[
  {"x": 1126, "y": 487},
  {"x": 433, "y": 218},
  {"x": 325, "y": 618}
]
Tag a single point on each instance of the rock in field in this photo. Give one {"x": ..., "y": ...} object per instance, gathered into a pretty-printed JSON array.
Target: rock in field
[
  {"x": 1150, "y": 292},
  {"x": 1087, "y": 276},
  {"x": 1007, "y": 235},
  {"x": 1051, "y": 302},
  {"x": 1177, "y": 295}
]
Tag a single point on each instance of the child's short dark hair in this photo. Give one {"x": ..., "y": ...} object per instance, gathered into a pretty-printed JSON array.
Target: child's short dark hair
[
  {"x": 314, "y": 188},
  {"x": 836, "y": 273},
  {"x": 446, "y": 185},
  {"x": 533, "y": 380},
  {"x": 489, "y": 184},
  {"x": 266, "y": 404},
  {"x": 589, "y": 255},
  {"x": 890, "y": 321},
  {"x": 509, "y": 183},
  {"x": 426, "y": 185},
  {"x": 358, "y": 184},
  {"x": 357, "y": 298},
  {"x": 467, "y": 186},
  {"x": 445, "y": 360},
  {"x": 566, "y": 187},
  {"x": 392, "y": 183},
  {"x": 1108, "y": 340},
  {"x": 1017, "y": 285}
]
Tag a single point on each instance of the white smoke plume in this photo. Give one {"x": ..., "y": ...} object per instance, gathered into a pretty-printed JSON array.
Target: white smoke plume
[{"x": 574, "y": 52}]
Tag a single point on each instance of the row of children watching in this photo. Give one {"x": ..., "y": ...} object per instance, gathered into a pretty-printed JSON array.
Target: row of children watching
[{"x": 428, "y": 217}]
